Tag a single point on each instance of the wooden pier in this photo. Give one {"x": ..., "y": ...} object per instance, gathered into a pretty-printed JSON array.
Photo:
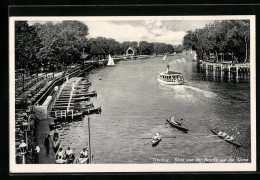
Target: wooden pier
[
  {"x": 228, "y": 69},
  {"x": 64, "y": 101}
]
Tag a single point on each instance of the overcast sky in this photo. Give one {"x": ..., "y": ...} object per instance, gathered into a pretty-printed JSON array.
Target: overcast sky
[{"x": 166, "y": 31}]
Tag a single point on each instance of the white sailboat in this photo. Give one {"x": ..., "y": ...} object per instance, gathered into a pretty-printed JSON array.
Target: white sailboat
[
  {"x": 195, "y": 57},
  {"x": 164, "y": 58},
  {"x": 110, "y": 61}
]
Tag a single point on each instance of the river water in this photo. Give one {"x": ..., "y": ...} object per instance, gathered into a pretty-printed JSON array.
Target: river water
[{"x": 134, "y": 107}]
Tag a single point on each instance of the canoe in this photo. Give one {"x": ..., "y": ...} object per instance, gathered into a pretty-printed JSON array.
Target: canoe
[
  {"x": 155, "y": 142},
  {"x": 84, "y": 83},
  {"x": 177, "y": 126},
  {"x": 91, "y": 94},
  {"x": 81, "y": 99},
  {"x": 53, "y": 126},
  {"x": 76, "y": 116},
  {"x": 92, "y": 111},
  {"x": 85, "y": 94},
  {"x": 83, "y": 104},
  {"x": 56, "y": 142},
  {"x": 229, "y": 141}
]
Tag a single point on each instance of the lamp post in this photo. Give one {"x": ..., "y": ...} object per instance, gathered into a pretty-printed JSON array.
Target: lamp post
[
  {"x": 89, "y": 143},
  {"x": 23, "y": 147},
  {"x": 25, "y": 129},
  {"x": 28, "y": 120}
]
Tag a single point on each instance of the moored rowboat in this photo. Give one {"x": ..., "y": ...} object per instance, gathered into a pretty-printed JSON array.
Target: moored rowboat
[
  {"x": 56, "y": 141},
  {"x": 91, "y": 111}
]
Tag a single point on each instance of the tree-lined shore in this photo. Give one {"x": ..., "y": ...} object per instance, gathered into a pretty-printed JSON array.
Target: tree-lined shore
[
  {"x": 46, "y": 47},
  {"x": 221, "y": 40}
]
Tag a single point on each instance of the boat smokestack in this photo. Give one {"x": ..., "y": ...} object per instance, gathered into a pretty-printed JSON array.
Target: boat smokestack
[{"x": 168, "y": 67}]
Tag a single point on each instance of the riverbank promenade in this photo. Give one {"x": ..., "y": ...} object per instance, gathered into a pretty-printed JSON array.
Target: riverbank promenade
[{"x": 27, "y": 126}]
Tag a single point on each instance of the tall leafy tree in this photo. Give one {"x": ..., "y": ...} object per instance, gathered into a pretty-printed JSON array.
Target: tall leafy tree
[
  {"x": 27, "y": 44},
  {"x": 63, "y": 42},
  {"x": 228, "y": 37},
  {"x": 145, "y": 48}
]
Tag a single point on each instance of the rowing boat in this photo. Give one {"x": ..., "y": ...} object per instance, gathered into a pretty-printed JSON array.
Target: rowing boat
[
  {"x": 177, "y": 126},
  {"x": 53, "y": 126},
  {"x": 56, "y": 141},
  {"x": 85, "y": 94},
  {"x": 92, "y": 111},
  {"x": 227, "y": 140},
  {"x": 81, "y": 99},
  {"x": 156, "y": 141},
  {"x": 83, "y": 160}
]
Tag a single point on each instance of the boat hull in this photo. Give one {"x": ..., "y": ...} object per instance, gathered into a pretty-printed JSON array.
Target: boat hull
[
  {"x": 177, "y": 126},
  {"x": 156, "y": 142},
  {"x": 170, "y": 83},
  {"x": 83, "y": 160},
  {"x": 92, "y": 111}
]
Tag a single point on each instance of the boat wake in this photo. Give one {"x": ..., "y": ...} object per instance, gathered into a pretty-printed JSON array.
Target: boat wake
[
  {"x": 182, "y": 90},
  {"x": 207, "y": 94},
  {"x": 182, "y": 60}
]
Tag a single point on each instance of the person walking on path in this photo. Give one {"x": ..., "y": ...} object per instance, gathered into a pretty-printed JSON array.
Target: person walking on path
[{"x": 47, "y": 144}]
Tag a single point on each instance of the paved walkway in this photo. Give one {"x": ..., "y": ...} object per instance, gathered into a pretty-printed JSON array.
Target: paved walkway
[{"x": 41, "y": 132}]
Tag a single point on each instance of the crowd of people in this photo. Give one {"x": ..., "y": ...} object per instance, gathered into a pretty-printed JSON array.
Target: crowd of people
[{"x": 68, "y": 156}]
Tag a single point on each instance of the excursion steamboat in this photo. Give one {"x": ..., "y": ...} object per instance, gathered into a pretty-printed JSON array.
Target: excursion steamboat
[{"x": 170, "y": 77}]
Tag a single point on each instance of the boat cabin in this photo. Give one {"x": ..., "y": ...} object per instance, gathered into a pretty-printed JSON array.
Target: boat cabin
[{"x": 171, "y": 76}]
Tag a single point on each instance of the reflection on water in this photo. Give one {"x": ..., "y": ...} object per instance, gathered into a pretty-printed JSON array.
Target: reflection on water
[{"x": 134, "y": 107}]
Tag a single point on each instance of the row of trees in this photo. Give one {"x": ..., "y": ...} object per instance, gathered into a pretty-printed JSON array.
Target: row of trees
[
  {"x": 227, "y": 37},
  {"x": 111, "y": 46},
  {"x": 49, "y": 45},
  {"x": 46, "y": 45}
]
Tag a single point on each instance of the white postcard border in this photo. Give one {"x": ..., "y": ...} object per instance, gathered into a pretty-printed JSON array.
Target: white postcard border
[{"x": 161, "y": 167}]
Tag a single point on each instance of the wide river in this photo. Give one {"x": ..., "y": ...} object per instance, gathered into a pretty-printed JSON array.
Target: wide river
[{"x": 135, "y": 106}]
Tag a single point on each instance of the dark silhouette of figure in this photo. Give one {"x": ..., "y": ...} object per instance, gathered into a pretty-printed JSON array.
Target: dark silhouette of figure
[{"x": 47, "y": 144}]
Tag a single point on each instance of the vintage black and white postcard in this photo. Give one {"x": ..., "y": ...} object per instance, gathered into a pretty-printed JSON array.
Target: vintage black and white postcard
[{"x": 132, "y": 94}]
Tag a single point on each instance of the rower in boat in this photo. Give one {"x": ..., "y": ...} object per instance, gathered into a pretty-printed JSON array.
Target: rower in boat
[
  {"x": 60, "y": 160},
  {"x": 224, "y": 135},
  {"x": 69, "y": 155},
  {"x": 231, "y": 138},
  {"x": 156, "y": 139},
  {"x": 219, "y": 133},
  {"x": 84, "y": 153},
  {"x": 175, "y": 122},
  {"x": 83, "y": 158},
  {"x": 157, "y": 136},
  {"x": 68, "y": 152},
  {"x": 60, "y": 153}
]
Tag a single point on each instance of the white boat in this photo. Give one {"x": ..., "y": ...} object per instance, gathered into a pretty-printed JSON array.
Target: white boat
[
  {"x": 110, "y": 61},
  {"x": 83, "y": 160},
  {"x": 170, "y": 77},
  {"x": 164, "y": 58}
]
